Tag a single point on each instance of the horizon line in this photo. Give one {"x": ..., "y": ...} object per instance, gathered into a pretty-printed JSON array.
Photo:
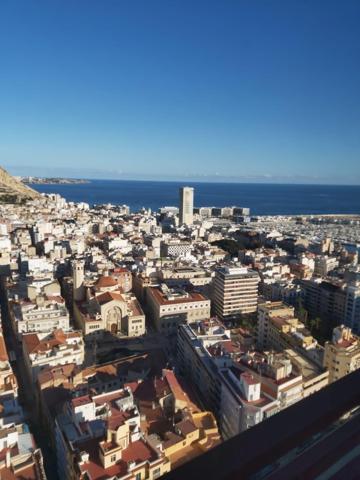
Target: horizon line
[{"x": 192, "y": 181}]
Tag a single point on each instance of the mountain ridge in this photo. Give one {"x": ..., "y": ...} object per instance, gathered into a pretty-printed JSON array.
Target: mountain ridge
[{"x": 13, "y": 190}]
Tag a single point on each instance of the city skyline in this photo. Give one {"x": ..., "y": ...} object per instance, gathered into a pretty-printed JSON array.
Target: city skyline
[
  {"x": 179, "y": 239},
  {"x": 251, "y": 93}
]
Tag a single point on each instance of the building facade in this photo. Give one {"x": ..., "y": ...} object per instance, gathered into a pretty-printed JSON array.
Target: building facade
[
  {"x": 170, "y": 307},
  {"x": 342, "y": 353},
  {"x": 186, "y": 205},
  {"x": 235, "y": 291}
]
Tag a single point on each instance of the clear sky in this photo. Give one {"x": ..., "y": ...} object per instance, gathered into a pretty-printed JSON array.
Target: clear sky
[{"x": 257, "y": 90}]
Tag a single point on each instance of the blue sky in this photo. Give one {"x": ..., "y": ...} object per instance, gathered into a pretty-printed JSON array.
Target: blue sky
[{"x": 199, "y": 89}]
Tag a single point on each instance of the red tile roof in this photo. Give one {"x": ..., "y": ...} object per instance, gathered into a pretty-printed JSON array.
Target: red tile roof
[
  {"x": 84, "y": 400},
  {"x": 106, "y": 281},
  {"x": 3, "y": 352},
  {"x": 138, "y": 452},
  {"x": 109, "y": 297}
]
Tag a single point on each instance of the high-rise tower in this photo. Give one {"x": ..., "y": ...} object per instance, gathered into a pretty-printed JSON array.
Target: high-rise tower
[
  {"x": 186, "y": 205},
  {"x": 235, "y": 291}
]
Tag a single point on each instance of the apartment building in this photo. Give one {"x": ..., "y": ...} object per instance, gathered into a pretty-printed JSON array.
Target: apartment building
[
  {"x": 352, "y": 312},
  {"x": 99, "y": 436},
  {"x": 243, "y": 401},
  {"x": 325, "y": 264},
  {"x": 43, "y": 315},
  {"x": 182, "y": 276},
  {"x": 58, "y": 348},
  {"x": 325, "y": 299},
  {"x": 195, "y": 363},
  {"x": 10, "y": 408},
  {"x": 211, "y": 361},
  {"x": 266, "y": 312},
  {"x": 19, "y": 456},
  {"x": 235, "y": 291},
  {"x": 193, "y": 430},
  {"x": 279, "y": 329},
  {"x": 336, "y": 302},
  {"x": 342, "y": 353}
]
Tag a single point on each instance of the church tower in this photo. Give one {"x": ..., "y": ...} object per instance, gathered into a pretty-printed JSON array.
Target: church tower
[{"x": 78, "y": 280}]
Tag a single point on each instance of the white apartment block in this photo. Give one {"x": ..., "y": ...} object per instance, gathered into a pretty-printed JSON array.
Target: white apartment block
[
  {"x": 43, "y": 315},
  {"x": 236, "y": 397},
  {"x": 235, "y": 291},
  {"x": 324, "y": 265}
]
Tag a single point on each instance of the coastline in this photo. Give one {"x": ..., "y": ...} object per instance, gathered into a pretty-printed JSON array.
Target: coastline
[{"x": 264, "y": 199}]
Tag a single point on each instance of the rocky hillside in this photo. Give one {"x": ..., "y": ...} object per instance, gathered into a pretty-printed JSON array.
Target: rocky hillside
[{"x": 14, "y": 191}]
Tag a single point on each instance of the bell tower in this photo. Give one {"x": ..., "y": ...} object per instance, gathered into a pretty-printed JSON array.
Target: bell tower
[{"x": 78, "y": 280}]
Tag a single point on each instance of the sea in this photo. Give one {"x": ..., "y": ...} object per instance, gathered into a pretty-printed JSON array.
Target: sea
[{"x": 262, "y": 199}]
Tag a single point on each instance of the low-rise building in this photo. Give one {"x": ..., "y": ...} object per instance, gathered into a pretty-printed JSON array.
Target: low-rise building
[
  {"x": 175, "y": 248},
  {"x": 10, "y": 409},
  {"x": 19, "y": 456},
  {"x": 43, "y": 315},
  {"x": 170, "y": 307},
  {"x": 170, "y": 419},
  {"x": 325, "y": 264},
  {"x": 58, "y": 348},
  {"x": 99, "y": 436}
]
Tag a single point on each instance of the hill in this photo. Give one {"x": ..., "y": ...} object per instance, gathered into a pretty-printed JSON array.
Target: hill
[{"x": 13, "y": 190}]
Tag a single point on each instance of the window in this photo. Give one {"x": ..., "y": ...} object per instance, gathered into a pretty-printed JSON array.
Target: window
[
  {"x": 113, "y": 458},
  {"x": 138, "y": 476},
  {"x": 156, "y": 473}
]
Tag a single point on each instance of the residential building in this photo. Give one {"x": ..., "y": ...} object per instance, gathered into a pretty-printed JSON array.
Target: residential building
[
  {"x": 43, "y": 315},
  {"x": 171, "y": 421},
  {"x": 325, "y": 264},
  {"x": 235, "y": 291},
  {"x": 208, "y": 358},
  {"x": 99, "y": 437},
  {"x": 10, "y": 409},
  {"x": 325, "y": 299},
  {"x": 59, "y": 348},
  {"x": 342, "y": 353},
  {"x": 20, "y": 457},
  {"x": 352, "y": 308},
  {"x": 279, "y": 329}
]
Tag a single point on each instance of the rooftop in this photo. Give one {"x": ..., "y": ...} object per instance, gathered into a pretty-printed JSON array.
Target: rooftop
[{"x": 175, "y": 296}]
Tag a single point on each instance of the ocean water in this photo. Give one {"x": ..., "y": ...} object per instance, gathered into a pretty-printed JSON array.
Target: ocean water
[{"x": 262, "y": 199}]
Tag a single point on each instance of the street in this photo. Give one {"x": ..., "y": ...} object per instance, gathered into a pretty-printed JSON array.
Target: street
[{"x": 25, "y": 392}]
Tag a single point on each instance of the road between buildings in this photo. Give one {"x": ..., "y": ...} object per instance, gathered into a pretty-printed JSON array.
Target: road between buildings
[{"x": 25, "y": 391}]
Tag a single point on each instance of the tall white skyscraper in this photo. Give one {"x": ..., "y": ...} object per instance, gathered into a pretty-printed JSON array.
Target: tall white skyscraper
[{"x": 186, "y": 205}]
